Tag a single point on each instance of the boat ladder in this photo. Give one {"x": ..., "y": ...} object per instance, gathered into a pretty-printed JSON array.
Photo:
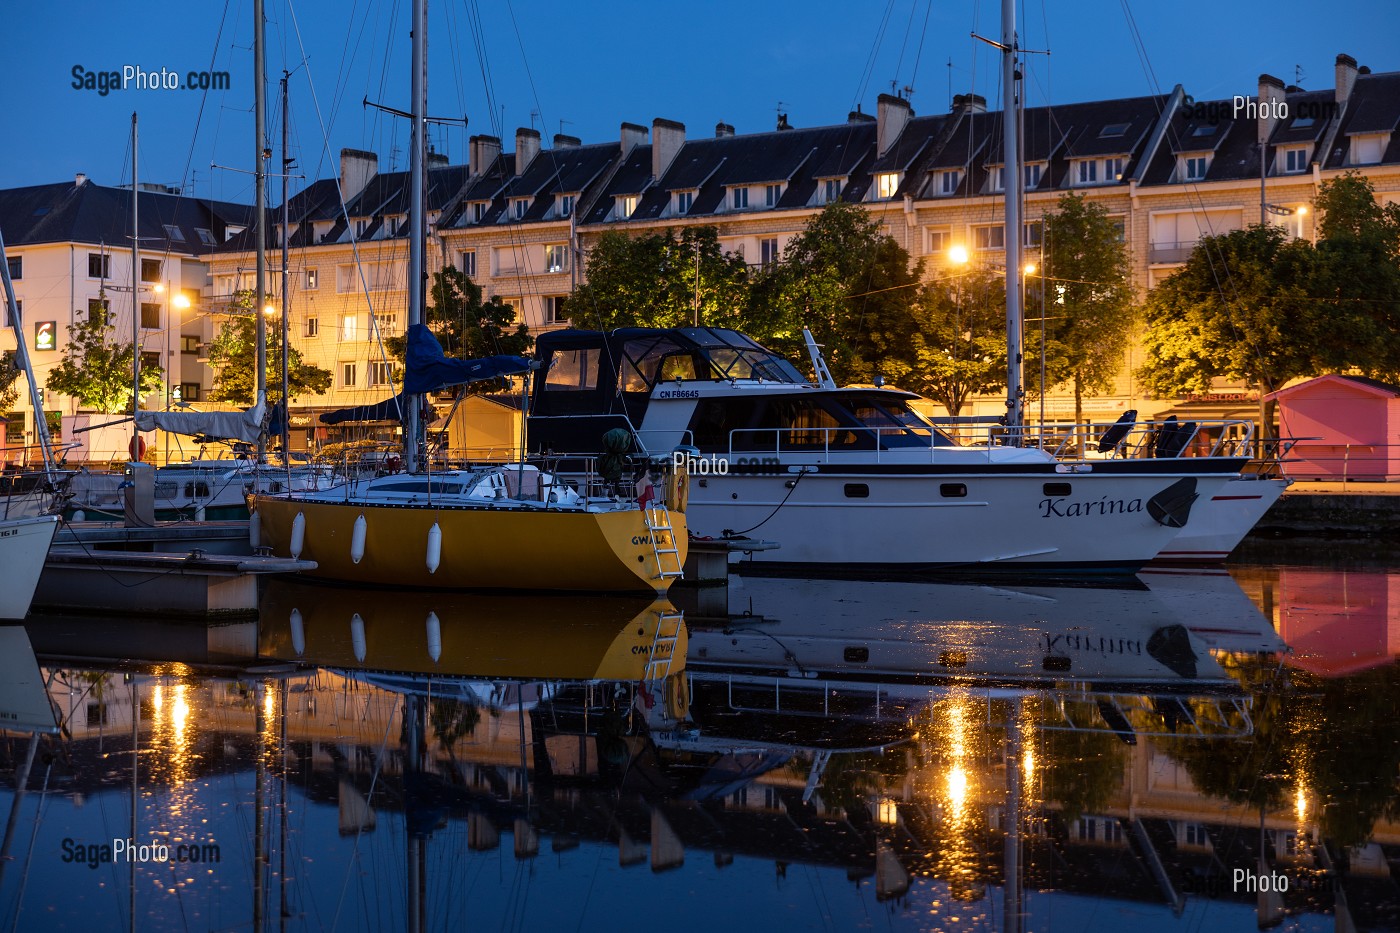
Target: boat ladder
[
  {"x": 663, "y": 646},
  {"x": 658, "y": 521}
]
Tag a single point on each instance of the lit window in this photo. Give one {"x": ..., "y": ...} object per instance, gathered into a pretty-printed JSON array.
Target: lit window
[
  {"x": 739, "y": 198},
  {"x": 625, "y": 206},
  {"x": 556, "y": 257},
  {"x": 150, "y": 270},
  {"x": 348, "y": 326},
  {"x": 312, "y": 279},
  {"x": 1113, "y": 169},
  {"x": 886, "y": 184}
]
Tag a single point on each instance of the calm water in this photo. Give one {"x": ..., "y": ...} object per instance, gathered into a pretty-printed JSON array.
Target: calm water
[{"x": 831, "y": 756}]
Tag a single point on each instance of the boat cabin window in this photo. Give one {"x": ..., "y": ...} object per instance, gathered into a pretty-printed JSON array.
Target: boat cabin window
[
  {"x": 650, "y": 360},
  {"x": 196, "y": 490},
  {"x": 752, "y": 364},
  {"x": 898, "y": 424},
  {"x": 573, "y": 370}
]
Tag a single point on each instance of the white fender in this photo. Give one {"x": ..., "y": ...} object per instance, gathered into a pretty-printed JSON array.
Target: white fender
[
  {"x": 298, "y": 535},
  {"x": 199, "y": 512},
  {"x": 434, "y": 635},
  {"x": 298, "y": 633},
  {"x": 357, "y": 637},
  {"x": 434, "y": 549},
  {"x": 255, "y": 529},
  {"x": 79, "y": 516},
  {"x": 357, "y": 539}
]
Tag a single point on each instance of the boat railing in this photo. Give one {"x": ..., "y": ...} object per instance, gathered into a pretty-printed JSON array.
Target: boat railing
[
  {"x": 894, "y": 443},
  {"x": 1118, "y": 440}
]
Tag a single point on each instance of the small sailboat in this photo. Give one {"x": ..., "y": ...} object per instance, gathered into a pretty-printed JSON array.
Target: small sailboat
[{"x": 510, "y": 526}]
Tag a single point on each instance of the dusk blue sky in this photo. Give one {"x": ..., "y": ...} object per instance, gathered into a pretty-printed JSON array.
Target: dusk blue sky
[{"x": 593, "y": 66}]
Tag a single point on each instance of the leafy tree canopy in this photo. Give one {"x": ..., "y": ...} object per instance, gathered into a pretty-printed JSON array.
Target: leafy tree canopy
[
  {"x": 465, "y": 325},
  {"x": 234, "y": 357},
  {"x": 96, "y": 368},
  {"x": 655, "y": 280},
  {"x": 9, "y": 380},
  {"x": 960, "y": 341},
  {"x": 854, "y": 287}
]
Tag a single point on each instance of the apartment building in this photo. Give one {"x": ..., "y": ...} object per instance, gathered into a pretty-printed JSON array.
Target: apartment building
[
  {"x": 68, "y": 246},
  {"x": 1168, "y": 168}
]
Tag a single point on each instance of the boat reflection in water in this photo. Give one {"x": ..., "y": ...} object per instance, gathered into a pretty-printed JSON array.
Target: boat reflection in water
[{"x": 934, "y": 756}]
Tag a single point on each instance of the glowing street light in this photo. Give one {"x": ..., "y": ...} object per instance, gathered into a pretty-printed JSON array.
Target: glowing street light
[
  {"x": 181, "y": 301},
  {"x": 1030, "y": 268},
  {"x": 958, "y": 255}
]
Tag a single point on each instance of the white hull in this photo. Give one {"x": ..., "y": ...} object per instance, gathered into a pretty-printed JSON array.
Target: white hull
[
  {"x": 1005, "y": 520},
  {"x": 1220, "y": 523},
  {"x": 24, "y": 544}
]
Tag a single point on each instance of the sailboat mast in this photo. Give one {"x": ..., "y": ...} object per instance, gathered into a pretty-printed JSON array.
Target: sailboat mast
[
  {"x": 286, "y": 293},
  {"x": 1011, "y": 184},
  {"x": 418, "y": 229},
  {"x": 260, "y": 218},
  {"x": 135, "y": 303}
]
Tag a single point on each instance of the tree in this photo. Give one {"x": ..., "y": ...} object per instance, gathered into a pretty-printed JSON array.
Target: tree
[
  {"x": 234, "y": 357},
  {"x": 1240, "y": 308},
  {"x": 466, "y": 326},
  {"x": 1358, "y": 277},
  {"x": 1089, "y": 299},
  {"x": 651, "y": 281},
  {"x": 96, "y": 369},
  {"x": 854, "y": 287},
  {"x": 960, "y": 343},
  {"x": 9, "y": 379}
]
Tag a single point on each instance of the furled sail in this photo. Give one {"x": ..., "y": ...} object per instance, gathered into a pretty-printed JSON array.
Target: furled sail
[
  {"x": 428, "y": 369},
  {"x": 231, "y": 425}
]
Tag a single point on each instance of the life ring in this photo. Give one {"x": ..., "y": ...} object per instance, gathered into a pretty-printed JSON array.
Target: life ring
[{"x": 137, "y": 447}]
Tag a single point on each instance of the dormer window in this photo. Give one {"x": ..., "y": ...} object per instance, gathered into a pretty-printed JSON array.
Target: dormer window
[
  {"x": 624, "y": 207},
  {"x": 1366, "y": 148},
  {"x": 684, "y": 200},
  {"x": 886, "y": 183},
  {"x": 1194, "y": 168},
  {"x": 565, "y": 205},
  {"x": 771, "y": 195},
  {"x": 1113, "y": 169},
  {"x": 1088, "y": 172},
  {"x": 360, "y": 226},
  {"x": 996, "y": 178},
  {"x": 1294, "y": 160},
  {"x": 1033, "y": 172},
  {"x": 519, "y": 206},
  {"x": 948, "y": 181},
  {"x": 739, "y": 198},
  {"x": 831, "y": 189},
  {"x": 479, "y": 211}
]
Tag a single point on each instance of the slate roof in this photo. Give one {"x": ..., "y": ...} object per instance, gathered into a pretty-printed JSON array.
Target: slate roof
[{"x": 91, "y": 213}]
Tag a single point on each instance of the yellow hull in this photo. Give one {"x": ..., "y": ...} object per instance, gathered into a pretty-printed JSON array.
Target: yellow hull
[
  {"x": 478, "y": 635},
  {"x": 481, "y": 548}
]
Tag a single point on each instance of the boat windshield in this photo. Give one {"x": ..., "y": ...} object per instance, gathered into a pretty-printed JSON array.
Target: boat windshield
[
  {"x": 898, "y": 424},
  {"x": 650, "y": 360}
]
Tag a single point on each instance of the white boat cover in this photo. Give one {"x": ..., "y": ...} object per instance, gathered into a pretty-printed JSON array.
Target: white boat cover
[{"x": 233, "y": 425}]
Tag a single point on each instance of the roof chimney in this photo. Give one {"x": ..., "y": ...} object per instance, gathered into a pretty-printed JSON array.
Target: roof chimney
[
  {"x": 633, "y": 135},
  {"x": 1346, "y": 77},
  {"x": 483, "y": 151},
  {"x": 969, "y": 103},
  {"x": 79, "y": 180},
  {"x": 527, "y": 146},
  {"x": 722, "y": 130},
  {"x": 667, "y": 137},
  {"x": 855, "y": 116},
  {"x": 436, "y": 159},
  {"x": 566, "y": 142},
  {"x": 783, "y": 123},
  {"x": 357, "y": 167},
  {"x": 1272, "y": 105},
  {"x": 891, "y": 115}
]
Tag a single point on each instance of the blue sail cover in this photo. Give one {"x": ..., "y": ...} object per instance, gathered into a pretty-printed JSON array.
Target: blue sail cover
[
  {"x": 428, "y": 369},
  {"x": 387, "y": 410}
]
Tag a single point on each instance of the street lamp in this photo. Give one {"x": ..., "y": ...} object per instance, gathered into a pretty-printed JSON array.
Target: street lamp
[{"x": 958, "y": 255}]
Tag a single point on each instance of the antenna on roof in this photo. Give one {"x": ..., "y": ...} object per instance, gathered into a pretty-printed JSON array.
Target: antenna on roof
[
  {"x": 1298, "y": 75},
  {"x": 534, "y": 115},
  {"x": 907, "y": 91}
]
